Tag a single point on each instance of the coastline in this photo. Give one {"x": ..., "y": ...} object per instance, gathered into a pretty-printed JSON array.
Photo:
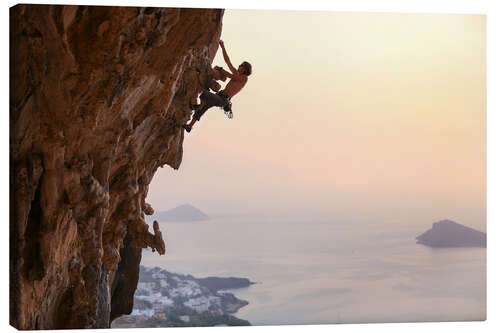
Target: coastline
[{"x": 166, "y": 299}]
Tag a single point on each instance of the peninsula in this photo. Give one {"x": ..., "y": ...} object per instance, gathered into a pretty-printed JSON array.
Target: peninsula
[{"x": 165, "y": 299}]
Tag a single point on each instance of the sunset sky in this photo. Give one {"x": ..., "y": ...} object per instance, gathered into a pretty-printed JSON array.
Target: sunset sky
[{"x": 347, "y": 115}]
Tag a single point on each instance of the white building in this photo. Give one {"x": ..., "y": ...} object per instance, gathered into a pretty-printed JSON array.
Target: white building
[
  {"x": 157, "y": 307},
  {"x": 185, "y": 319}
]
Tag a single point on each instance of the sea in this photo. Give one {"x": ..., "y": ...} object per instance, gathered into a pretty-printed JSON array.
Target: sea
[{"x": 323, "y": 271}]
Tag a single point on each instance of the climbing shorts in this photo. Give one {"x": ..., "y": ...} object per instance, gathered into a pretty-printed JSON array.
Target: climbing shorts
[{"x": 210, "y": 100}]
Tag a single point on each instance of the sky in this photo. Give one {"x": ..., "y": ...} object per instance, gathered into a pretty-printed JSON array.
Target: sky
[{"x": 357, "y": 116}]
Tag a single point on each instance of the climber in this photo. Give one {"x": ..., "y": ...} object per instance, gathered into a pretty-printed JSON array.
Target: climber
[{"x": 238, "y": 79}]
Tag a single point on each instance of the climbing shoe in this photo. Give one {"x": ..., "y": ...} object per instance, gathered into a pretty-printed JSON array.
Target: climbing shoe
[{"x": 187, "y": 128}]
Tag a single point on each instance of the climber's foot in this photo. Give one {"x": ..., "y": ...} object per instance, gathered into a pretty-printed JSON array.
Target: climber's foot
[
  {"x": 194, "y": 106},
  {"x": 187, "y": 128}
]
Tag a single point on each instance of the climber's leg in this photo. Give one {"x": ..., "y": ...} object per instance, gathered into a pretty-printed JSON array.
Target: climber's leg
[
  {"x": 188, "y": 126},
  {"x": 197, "y": 115},
  {"x": 196, "y": 107},
  {"x": 208, "y": 100}
]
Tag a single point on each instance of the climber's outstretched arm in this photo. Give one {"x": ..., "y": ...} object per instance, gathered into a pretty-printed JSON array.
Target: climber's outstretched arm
[{"x": 226, "y": 58}]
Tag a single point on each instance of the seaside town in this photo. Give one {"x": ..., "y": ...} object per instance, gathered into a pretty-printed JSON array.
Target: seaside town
[{"x": 165, "y": 299}]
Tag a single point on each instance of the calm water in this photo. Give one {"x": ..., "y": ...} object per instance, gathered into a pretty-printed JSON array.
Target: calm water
[{"x": 322, "y": 271}]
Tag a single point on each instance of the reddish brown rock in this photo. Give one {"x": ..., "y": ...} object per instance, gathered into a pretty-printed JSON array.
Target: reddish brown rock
[{"x": 97, "y": 98}]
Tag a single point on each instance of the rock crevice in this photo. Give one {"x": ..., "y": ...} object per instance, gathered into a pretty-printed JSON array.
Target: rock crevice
[{"x": 97, "y": 98}]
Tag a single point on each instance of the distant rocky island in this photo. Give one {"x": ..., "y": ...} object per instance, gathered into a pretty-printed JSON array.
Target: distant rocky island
[
  {"x": 447, "y": 233},
  {"x": 182, "y": 213},
  {"x": 165, "y": 299}
]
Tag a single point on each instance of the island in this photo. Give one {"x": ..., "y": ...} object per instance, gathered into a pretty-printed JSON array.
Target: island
[
  {"x": 447, "y": 233},
  {"x": 182, "y": 213},
  {"x": 166, "y": 299}
]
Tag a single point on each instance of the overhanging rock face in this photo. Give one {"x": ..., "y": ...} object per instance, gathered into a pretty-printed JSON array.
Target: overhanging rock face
[{"x": 97, "y": 98}]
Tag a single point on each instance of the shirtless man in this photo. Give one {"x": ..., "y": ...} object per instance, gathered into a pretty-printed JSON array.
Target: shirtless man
[{"x": 238, "y": 79}]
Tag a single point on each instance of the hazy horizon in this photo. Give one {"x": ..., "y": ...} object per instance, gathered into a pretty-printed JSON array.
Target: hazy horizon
[{"x": 354, "y": 116}]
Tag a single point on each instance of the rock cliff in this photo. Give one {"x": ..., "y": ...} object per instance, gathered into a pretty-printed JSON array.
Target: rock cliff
[{"x": 97, "y": 98}]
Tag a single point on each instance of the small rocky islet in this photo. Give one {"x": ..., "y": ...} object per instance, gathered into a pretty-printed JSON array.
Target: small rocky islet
[{"x": 447, "y": 233}]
